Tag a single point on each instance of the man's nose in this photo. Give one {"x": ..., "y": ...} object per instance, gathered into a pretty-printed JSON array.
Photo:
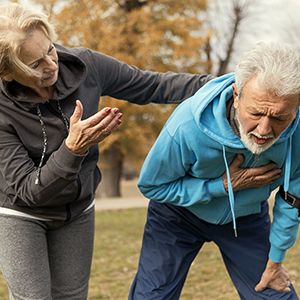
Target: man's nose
[{"x": 264, "y": 127}]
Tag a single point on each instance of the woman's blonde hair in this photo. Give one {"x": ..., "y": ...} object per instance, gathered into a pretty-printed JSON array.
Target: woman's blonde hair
[{"x": 16, "y": 22}]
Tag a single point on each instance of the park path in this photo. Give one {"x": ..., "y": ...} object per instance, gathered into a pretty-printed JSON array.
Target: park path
[
  {"x": 131, "y": 198},
  {"x": 120, "y": 203}
]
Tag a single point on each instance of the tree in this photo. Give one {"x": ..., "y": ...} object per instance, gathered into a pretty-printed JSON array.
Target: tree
[
  {"x": 226, "y": 21},
  {"x": 159, "y": 35}
]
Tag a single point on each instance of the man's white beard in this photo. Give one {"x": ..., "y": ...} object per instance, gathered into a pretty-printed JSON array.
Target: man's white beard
[{"x": 250, "y": 144}]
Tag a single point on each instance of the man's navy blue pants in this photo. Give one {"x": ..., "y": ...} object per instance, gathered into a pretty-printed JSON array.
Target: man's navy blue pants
[{"x": 173, "y": 236}]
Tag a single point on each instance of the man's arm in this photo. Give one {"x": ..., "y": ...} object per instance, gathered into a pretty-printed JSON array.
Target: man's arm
[
  {"x": 284, "y": 229},
  {"x": 165, "y": 173},
  {"x": 283, "y": 235},
  {"x": 165, "y": 176}
]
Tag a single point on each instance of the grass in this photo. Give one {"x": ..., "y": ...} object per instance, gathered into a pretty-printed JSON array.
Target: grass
[{"x": 117, "y": 245}]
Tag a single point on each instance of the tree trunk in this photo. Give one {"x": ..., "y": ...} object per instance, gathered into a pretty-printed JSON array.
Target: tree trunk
[
  {"x": 239, "y": 13},
  {"x": 111, "y": 165}
]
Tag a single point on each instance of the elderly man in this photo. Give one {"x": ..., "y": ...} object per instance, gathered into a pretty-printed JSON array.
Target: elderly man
[{"x": 210, "y": 173}]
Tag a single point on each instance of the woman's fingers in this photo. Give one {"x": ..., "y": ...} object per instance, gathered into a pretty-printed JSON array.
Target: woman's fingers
[
  {"x": 105, "y": 115},
  {"x": 77, "y": 114},
  {"x": 84, "y": 133},
  {"x": 107, "y": 125}
]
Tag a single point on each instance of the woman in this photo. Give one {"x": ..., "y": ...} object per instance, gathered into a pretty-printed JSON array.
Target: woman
[{"x": 49, "y": 151}]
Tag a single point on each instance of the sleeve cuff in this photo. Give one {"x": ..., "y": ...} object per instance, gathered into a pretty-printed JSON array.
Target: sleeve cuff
[
  {"x": 216, "y": 187},
  {"x": 276, "y": 255},
  {"x": 67, "y": 163}
]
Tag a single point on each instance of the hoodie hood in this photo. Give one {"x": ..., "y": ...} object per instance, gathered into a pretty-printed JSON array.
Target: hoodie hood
[
  {"x": 214, "y": 96},
  {"x": 72, "y": 72},
  {"x": 210, "y": 114}
]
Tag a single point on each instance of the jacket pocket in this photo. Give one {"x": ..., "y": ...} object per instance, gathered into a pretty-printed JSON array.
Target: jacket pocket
[
  {"x": 51, "y": 198},
  {"x": 88, "y": 182}
]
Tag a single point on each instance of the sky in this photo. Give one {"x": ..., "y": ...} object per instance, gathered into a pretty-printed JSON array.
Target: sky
[
  {"x": 267, "y": 20},
  {"x": 282, "y": 20}
]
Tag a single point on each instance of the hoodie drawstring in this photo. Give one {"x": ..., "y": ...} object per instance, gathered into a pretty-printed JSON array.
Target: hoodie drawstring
[
  {"x": 230, "y": 192},
  {"x": 287, "y": 168},
  {"x": 63, "y": 116},
  {"x": 45, "y": 138},
  {"x": 287, "y": 174}
]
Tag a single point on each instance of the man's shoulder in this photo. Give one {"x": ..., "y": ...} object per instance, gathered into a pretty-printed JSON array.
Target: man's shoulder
[{"x": 182, "y": 120}]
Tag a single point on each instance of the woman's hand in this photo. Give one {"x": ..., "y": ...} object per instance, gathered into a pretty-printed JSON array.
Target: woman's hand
[{"x": 91, "y": 131}]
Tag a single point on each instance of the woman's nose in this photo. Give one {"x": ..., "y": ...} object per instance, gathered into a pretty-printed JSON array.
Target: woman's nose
[{"x": 51, "y": 64}]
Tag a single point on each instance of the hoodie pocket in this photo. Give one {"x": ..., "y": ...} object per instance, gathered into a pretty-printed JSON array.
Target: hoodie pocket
[
  {"x": 250, "y": 199},
  {"x": 81, "y": 189},
  {"x": 50, "y": 197}
]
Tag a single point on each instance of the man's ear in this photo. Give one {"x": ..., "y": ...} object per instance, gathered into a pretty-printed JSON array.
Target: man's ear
[{"x": 235, "y": 96}]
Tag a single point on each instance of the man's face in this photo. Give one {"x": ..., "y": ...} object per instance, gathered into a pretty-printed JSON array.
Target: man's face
[{"x": 262, "y": 116}]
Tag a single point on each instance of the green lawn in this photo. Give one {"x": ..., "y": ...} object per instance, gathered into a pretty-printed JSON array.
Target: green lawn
[{"x": 117, "y": 245}]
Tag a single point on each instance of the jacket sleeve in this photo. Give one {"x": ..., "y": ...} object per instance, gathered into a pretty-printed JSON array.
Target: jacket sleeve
[
  {"x": 285, "y": 223},
  {"x": 19, "y": 172},
  {"x": 122, "y": 81},
  {"x": 166, "y": 174}
]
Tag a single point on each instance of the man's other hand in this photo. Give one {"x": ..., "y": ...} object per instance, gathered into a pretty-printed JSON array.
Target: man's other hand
[{"x": 275, "y": 277}]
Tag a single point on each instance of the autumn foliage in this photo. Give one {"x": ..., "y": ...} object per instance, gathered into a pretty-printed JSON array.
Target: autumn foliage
[{"x": 165, "y": 35}]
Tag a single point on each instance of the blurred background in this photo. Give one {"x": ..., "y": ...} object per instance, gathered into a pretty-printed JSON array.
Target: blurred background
[{"x": 196, "y": 36}]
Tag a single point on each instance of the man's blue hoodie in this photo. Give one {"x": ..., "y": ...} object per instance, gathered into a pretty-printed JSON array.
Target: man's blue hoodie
[{"x": 195, "y": 148}]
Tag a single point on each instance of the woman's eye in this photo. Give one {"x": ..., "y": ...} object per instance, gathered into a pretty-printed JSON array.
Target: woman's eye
[
  {"x": 50, "y": 49},
  {"x": 35, "y": 65}
]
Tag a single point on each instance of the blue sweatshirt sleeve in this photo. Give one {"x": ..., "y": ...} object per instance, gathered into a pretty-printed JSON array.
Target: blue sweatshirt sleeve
[
  {"x": 166, "y": 174},
  {"x": 285, "y": 224}
]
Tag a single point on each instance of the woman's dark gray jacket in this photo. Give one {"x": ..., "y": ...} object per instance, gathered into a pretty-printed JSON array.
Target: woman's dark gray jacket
[{"x": 67, "y": 181}]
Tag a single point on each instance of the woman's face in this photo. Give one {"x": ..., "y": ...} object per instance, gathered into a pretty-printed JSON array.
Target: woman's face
[{"x": 39, "y": 54}]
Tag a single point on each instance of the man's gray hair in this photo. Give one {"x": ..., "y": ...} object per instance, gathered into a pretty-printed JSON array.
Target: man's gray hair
[{"x": 275, "y": 65}]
